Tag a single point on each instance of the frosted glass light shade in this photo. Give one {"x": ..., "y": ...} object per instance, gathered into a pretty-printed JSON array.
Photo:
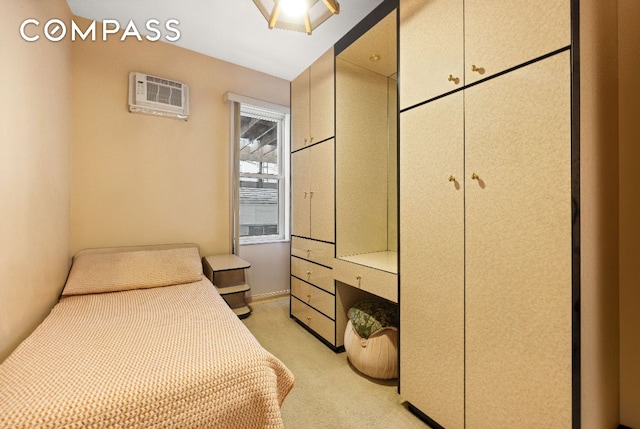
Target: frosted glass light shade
[{"x": 314, "y": 13}]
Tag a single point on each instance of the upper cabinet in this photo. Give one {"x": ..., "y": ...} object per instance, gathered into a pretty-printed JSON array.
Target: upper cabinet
[
  {"x": 312, "y": 103},
  {"x": 312, "y": 192},
  {"x": 300, "y": 111},
  {"x": 431, "y": 49},
  {"x": 457, "y": 42}
]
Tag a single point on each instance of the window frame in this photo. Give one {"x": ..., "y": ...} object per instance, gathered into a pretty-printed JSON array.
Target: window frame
[{"x": 283, "y": 123}]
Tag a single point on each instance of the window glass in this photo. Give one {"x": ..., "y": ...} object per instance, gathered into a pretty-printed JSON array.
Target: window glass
[{"x": 262, "y": 180}]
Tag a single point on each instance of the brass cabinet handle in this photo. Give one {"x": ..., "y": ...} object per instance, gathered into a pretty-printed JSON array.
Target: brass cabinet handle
[
  {"x": 308, "y": 319},
  {"x": 311, "y": 194},
  {"x": 452, "y": 179},
  {"x": 453, "y": 79},
  {"x": 477, "y": 69},
  {"x": 474, "y": 176},
  {"x": 305, "y": 194}
]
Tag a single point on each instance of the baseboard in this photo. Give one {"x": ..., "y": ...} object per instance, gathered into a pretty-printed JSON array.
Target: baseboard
[
  {"x": 623, "y": 427},
  {"x": 268, "y": 295},
  {"x": 422, "y": 416}
]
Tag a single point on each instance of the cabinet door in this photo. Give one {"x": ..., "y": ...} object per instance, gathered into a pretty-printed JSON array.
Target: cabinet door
[
  {"x": 432, "y": 259},
  {"x": 321, "y": 99},
  {"x": 322, "y": 178},
  {"x": 500, "y": 35},
  {"x": 300, "y": 196},
  {"x": 518, "y": 248},
  {"x": 300, "y": 111},
  {"x": 431, "y": 49}
]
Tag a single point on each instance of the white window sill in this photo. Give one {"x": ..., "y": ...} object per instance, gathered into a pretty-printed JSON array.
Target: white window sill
[{"x": 263, "y": 241}]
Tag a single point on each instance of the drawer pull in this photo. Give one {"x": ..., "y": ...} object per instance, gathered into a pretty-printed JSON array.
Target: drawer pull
[
  {"x": 309, "y": 298},
  {"x": 455, "y": 80},
  {"x": 308, "y": 319}
]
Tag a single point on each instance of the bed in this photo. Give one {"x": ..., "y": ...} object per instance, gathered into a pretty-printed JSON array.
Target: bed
[{"x": 140, "y": 338}]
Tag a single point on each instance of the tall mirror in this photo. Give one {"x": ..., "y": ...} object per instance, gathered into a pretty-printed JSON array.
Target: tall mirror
[{"x": 366, "y": 148}]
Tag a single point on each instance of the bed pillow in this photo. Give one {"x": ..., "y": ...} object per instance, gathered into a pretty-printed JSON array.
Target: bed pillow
[{"x": 118, "y": 269}]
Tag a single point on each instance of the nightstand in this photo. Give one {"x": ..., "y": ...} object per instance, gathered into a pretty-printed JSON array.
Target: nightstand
[{"x": 227, "y": 273}]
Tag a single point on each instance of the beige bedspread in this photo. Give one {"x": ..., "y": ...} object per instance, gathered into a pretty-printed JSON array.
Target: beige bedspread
[{"x": 171, "y": 357}]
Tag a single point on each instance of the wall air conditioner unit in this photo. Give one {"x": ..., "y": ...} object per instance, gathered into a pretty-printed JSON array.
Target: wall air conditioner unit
[{"x": 157, "y": 96}]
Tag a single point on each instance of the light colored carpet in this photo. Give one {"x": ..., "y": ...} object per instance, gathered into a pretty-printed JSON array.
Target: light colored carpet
[{"x": 328, "y": 392}]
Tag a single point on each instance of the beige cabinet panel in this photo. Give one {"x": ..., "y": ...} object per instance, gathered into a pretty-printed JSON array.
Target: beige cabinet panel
[
  {"x": 312, "y": 103},
  {"x": 315, "y": 251},
  {"x": 443, "y": 38},
  {"x": 300, "y": 197},
  {"x": 321, "y": 100},
  {"x": 313, "y": 273},
  {"x": 432, "y": 259},
  {"x": 500, "y": 35},
  {"x": 312, "y": 192},
  {"x": 314, "y": 297},
  {"x": 300, "y": 111},
  {"x": 322, "y": 179},
  {"x": 315, "y": 320},
  {"x": 518, "y": 248},
  {"x": 381, "y": 283},
  {"x": 431, "y": 49}
]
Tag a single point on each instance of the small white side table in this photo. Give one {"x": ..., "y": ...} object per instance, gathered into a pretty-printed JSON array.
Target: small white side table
[{"x": 227, "y": 273}]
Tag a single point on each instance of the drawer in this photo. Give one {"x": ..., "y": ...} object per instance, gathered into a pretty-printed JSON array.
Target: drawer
[
  {"x": 315, "y": 251},
  {"x": 316, "y": 298},
  {"x": 316, "y": 321},
  {"x": 313, "y": 273},
  {"x": 377, "y": 282}
]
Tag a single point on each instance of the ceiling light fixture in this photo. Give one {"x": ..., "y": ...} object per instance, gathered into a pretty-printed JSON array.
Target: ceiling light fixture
[{"x": 297, "y": 15}]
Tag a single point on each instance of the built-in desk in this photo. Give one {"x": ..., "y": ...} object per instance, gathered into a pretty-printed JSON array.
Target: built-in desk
[{"x": 375, "y": 273}]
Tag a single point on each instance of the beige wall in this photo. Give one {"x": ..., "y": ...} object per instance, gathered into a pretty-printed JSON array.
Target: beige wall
[
  {"x": 139, "y": 179},
  {"x": 270, "y": 269},
  {"x": 629, "y": 81},
  {"x": 599, "y": 213},
  {"x": 34, "y": 170}
]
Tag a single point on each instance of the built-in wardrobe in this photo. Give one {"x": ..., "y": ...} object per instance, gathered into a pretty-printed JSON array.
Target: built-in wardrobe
[
  {"x": 344, "y": 178},
  {"x": 466, "y": 216},
  {"x": 312, "y": 198},
  {"x": 486, "y": 303}
]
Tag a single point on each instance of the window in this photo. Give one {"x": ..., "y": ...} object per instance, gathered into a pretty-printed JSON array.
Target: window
[{"x": 263, "y": 184}]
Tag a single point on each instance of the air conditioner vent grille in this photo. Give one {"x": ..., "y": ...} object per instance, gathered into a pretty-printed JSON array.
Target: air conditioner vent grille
[
  {"x": 164, "y": 94},
  {"x": 158, "y": 96}
]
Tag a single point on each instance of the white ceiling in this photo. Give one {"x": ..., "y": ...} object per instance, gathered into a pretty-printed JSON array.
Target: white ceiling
[{"x": 233, "y": 30}]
